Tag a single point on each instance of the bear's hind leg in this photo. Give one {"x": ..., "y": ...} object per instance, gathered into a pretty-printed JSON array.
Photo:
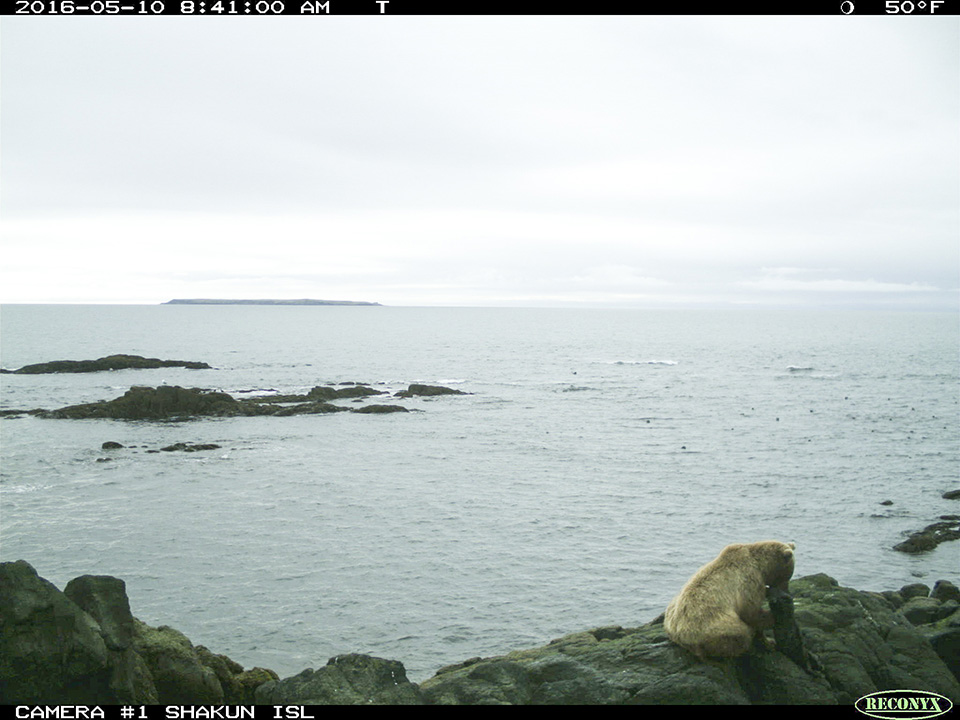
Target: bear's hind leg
[
  {"x": 729, "y": 639},
  {"x": 726, "y": 646}
]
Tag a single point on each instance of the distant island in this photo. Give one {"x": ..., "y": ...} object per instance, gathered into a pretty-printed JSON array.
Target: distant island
[{"x": 305, "y": 301}]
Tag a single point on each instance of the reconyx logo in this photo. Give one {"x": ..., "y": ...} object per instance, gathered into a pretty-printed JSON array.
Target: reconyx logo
[{"x": 898, "y": 704}]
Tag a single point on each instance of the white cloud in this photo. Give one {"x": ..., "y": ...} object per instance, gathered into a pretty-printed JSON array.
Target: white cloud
[
  {"x": 472, "y": 160},
  {"x": 837, "y": 285}
]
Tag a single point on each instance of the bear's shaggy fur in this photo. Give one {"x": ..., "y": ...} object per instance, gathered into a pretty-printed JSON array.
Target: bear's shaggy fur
[{"x": 720, "y": 609}]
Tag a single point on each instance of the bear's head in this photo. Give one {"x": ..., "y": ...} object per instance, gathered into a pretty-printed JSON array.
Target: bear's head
[{"x": 776, "y": 560}]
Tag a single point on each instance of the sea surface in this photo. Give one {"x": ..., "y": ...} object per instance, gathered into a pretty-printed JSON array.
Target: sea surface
[{"x": 600, "y": 457}]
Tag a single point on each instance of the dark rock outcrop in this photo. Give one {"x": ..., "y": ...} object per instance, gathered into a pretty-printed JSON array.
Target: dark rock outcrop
[
  {"x": 308, "y": 408},
  {"x": 83, "y": 646},
  {"x": 351, "y": 679},
  {"x": 835, "y": 645},
  {"x": 177, "y": 671},
  {"x": 855, "y": 643},
  {"x": 947, "y": 528},
  {"x": 418, "y": 390},
  {"x": 353, "y": 390},
  {"x": 937, "y": 616},
  {"x": 863, "y": 642},
  {"x": 320, "y": 393},
  {"x": 167, "y": 402},
  {"x": 238, "y": 685},
  {"x": 380, "y": 409},
  {"x": 176, "y": 403},
  {"x": 15, "y": 413},
  {"x": 51, "y": 650},
  {"x": 623, "y": 666},
  {"x": 944, "y": 590},
  {"x": 104, "y": 598},
  {"x": 171, "y": 402},
  {"x": 110, "y": 362},
  {"x": 190, "y": 447}
]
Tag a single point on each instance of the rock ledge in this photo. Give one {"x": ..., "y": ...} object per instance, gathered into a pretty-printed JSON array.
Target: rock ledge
[{"x": 83, "y": 646}]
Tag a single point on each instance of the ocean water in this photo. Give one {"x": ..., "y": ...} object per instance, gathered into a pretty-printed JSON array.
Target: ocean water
[{"x": 600, "y": 457}]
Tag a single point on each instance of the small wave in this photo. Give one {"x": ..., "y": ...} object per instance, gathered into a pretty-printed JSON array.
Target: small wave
[
  {"x": 643, "y": 362},
  {"x": 808, "y": 372},
  {"x": 25, "y": 488}
]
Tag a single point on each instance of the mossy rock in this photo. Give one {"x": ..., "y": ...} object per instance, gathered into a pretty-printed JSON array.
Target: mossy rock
[
  {"x": 161, "y": 403},
  {"x": 176, "y": 667}
]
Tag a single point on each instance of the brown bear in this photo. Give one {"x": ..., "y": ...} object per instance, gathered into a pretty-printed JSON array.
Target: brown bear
[{"x": 720, "y": 609}]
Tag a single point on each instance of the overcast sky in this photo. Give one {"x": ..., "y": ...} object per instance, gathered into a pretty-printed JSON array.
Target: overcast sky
[{"x": 635, "y": 161}]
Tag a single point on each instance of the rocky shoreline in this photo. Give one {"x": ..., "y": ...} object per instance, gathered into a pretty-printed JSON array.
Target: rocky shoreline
[
  {"x": 837, "y": 644},
  {"x": 175, "y": 403}
]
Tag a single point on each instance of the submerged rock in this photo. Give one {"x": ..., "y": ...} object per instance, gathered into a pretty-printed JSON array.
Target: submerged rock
[
  {"x": 380, "y": 409},
  {"x": 353, "y": 390},
  {"x": 418, "y": 390},
  {"x": 948, "y": 528},
  {"x": 17, "y": 413},
  {"x": 190, "y": 447},
  {"x": 320, "y": 393},
  {"x": 110, "y": 362},
  {"x": 309, "y": 408}
]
